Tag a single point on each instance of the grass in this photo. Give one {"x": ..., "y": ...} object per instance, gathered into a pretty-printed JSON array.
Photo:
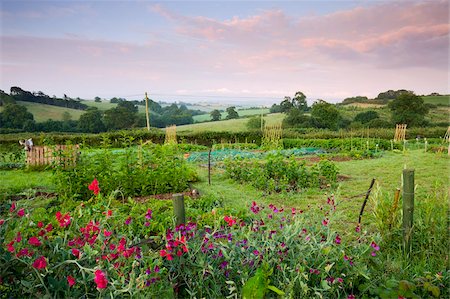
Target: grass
[
  {"x": 241, "y": 112},
  {"x": 431, "y": 174},
  {"x": 231, "y": 125},
  {"x": 42, "y": 112},
  {"x": 437, "y": 100},
  {"x": 16, "y": 181}
]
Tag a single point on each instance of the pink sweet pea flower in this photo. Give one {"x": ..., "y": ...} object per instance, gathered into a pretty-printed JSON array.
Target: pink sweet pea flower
[
  {"x": 34, "y": 241},
  {"x": 94, "y": 187},
  {"x": 21, "y": 213},
  {"x": 100, "y": 279},
  {"x": 40, "y": 263},
  {"x": 71, "y": 280}
]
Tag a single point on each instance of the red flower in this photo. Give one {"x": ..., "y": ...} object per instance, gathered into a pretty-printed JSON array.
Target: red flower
[
  {"x": 21, "y": 213},
  {"x": 64, "y": 220},
  {"x": 13, "y": 207},
  {"x": 337, "y": 239},
  {"x": 18, "y": 237},
  {"x": 229, "y": 220},
  {"x": 100, "y": 279},
  {"x": 10, "y": 246},
  {"x": 40, "y": 224},
  {"x": 76, "y": 253},
  {"x": 2, "y": 221},
  {"x": 34, "y": 241},
  {"x": 24, "y": 252},
  {"x": 107, "y": 233},
  {"x": 71, "y": 280},
  {"x": 49, "y": 227},
  {"x": 40, "y": 263},
  {"x": 94, "y": 187}
]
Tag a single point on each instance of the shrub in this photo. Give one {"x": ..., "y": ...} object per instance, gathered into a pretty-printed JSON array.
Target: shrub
[
  {"x": 145, "y": 170},
  {"x": 276, "y": 173}
]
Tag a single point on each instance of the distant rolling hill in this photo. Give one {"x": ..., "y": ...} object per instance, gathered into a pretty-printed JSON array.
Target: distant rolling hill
[{"x": 43, "y": 112}]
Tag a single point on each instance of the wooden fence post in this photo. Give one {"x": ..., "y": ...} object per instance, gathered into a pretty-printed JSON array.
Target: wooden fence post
[
  {"x": 178, "y": 208},
  {"x": 209, "y": 167},
  {"x": 408, "y": 207}
]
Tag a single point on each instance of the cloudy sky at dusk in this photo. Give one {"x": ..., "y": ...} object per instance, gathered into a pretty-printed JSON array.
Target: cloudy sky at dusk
[{"x": 258, "y": 51}]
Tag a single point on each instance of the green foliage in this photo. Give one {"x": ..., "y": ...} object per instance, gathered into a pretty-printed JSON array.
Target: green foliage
[
  {"x": 325, "y": 115},
  {"x": 408, "y": 109},
  {"x": 215, "y": 115},
  {"x": 366, "y": 117},
  {"x": 91, "y": 121},
  {"x": 15, "y": 116},
  {"x": 296, "y": 118},
  {"x": 146, "y": 170},
  {"x": 232, "y": 113},
  {"x": 256, "y": 123},
  {"x": 278, "y": 174}
]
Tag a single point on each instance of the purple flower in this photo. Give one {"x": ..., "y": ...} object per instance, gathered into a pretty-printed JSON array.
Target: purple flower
[
  {"x": 148, "y": 271},
  {"x": 337, "y": 239},
  {"x": 156, "y": 269},
  {"x": 128, "y": 220},
  {"x": 149, "y": 214},
  {"x": 147, "y": 223},
  {"x": 255, "y": 252},
  {"x": 223, "y": 264}
]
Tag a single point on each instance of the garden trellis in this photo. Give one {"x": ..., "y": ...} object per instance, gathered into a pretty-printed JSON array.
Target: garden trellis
[
  {"x": 272, "y": 136},
  {"x": 171, "y": 135},
  {"x": 46, "y": 155},
  {"x": 400, "y": 132}
]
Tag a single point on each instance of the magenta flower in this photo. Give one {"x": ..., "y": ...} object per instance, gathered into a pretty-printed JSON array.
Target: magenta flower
[
  {"x": 94, "y": 187},
  {"x": 100, "y": 279},
  {"x": 128, "y": 220},
  {"x": 337, "y": 239},
  {"x": 34, "y": 241},
  {"x": 358, "y": 228},
  {"x": 40, "y": 263},
  {"x": 351, "y": 297},
  {"x": 325, "y": 222},
  {"x": 149, "y": 214},
  {"x": 21, "y": 213},
  {"x": 71, "y": 280}
]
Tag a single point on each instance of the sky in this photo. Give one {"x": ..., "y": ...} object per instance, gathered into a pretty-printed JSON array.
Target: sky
[{"x": 224, "y": 51}]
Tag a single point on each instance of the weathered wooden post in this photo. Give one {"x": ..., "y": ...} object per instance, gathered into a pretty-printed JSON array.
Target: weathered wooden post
[
  {"x": 178, "y": 208},
  {"x": 209, "y": 167},
  {"x": 408, "y": 207}
]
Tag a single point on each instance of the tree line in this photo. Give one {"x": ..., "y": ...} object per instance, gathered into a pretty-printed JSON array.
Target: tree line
[
  {"x": 124, "y": 116},
  {"x": 405, "y": 107}
]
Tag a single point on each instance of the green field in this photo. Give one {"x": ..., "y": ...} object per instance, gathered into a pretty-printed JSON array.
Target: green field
[
  {"x": 42, "y": 112},
  {"x": 241, "y": 112},
  {"x": 443, "y": 100},
  {"x": 231, "y": 125},
  {"x": 103, "y": 106}
]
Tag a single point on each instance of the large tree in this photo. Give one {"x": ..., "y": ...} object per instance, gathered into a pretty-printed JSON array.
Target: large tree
[
  {"x": 232, "y": 113},
  {"x": 215, "y": 115},
  {"x": 91, "y": 121},
  {"x": 14, "y": 116},
  {"x": 123, "y": 116},
  {"x": 325, "y": 115},
  {"x": 409, "y": 109}
]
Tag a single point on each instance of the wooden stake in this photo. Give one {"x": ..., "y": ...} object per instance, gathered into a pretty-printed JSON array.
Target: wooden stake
[
  {"x": 178, "y": 208},
  {"x": 146, "y": 112},
  {"x": 209, "y": 167},
  {"x": 365, "y": 201},
  {"x": 408, "y": 207}
]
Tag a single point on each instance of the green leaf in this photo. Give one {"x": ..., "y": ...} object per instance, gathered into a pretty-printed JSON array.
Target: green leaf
[
  {"x": 324, "y": 285},
  {"x": 276, "y": 290},
  {"x": 255, "y": 287}
]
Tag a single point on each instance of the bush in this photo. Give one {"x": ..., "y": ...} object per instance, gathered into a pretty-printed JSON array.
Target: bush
[
  {"x": 278, "y": 174},
  {"x": 145, "y": 170}
]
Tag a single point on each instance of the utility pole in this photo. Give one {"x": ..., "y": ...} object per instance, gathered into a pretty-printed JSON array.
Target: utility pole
[{"x": 146, "y": 112}]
